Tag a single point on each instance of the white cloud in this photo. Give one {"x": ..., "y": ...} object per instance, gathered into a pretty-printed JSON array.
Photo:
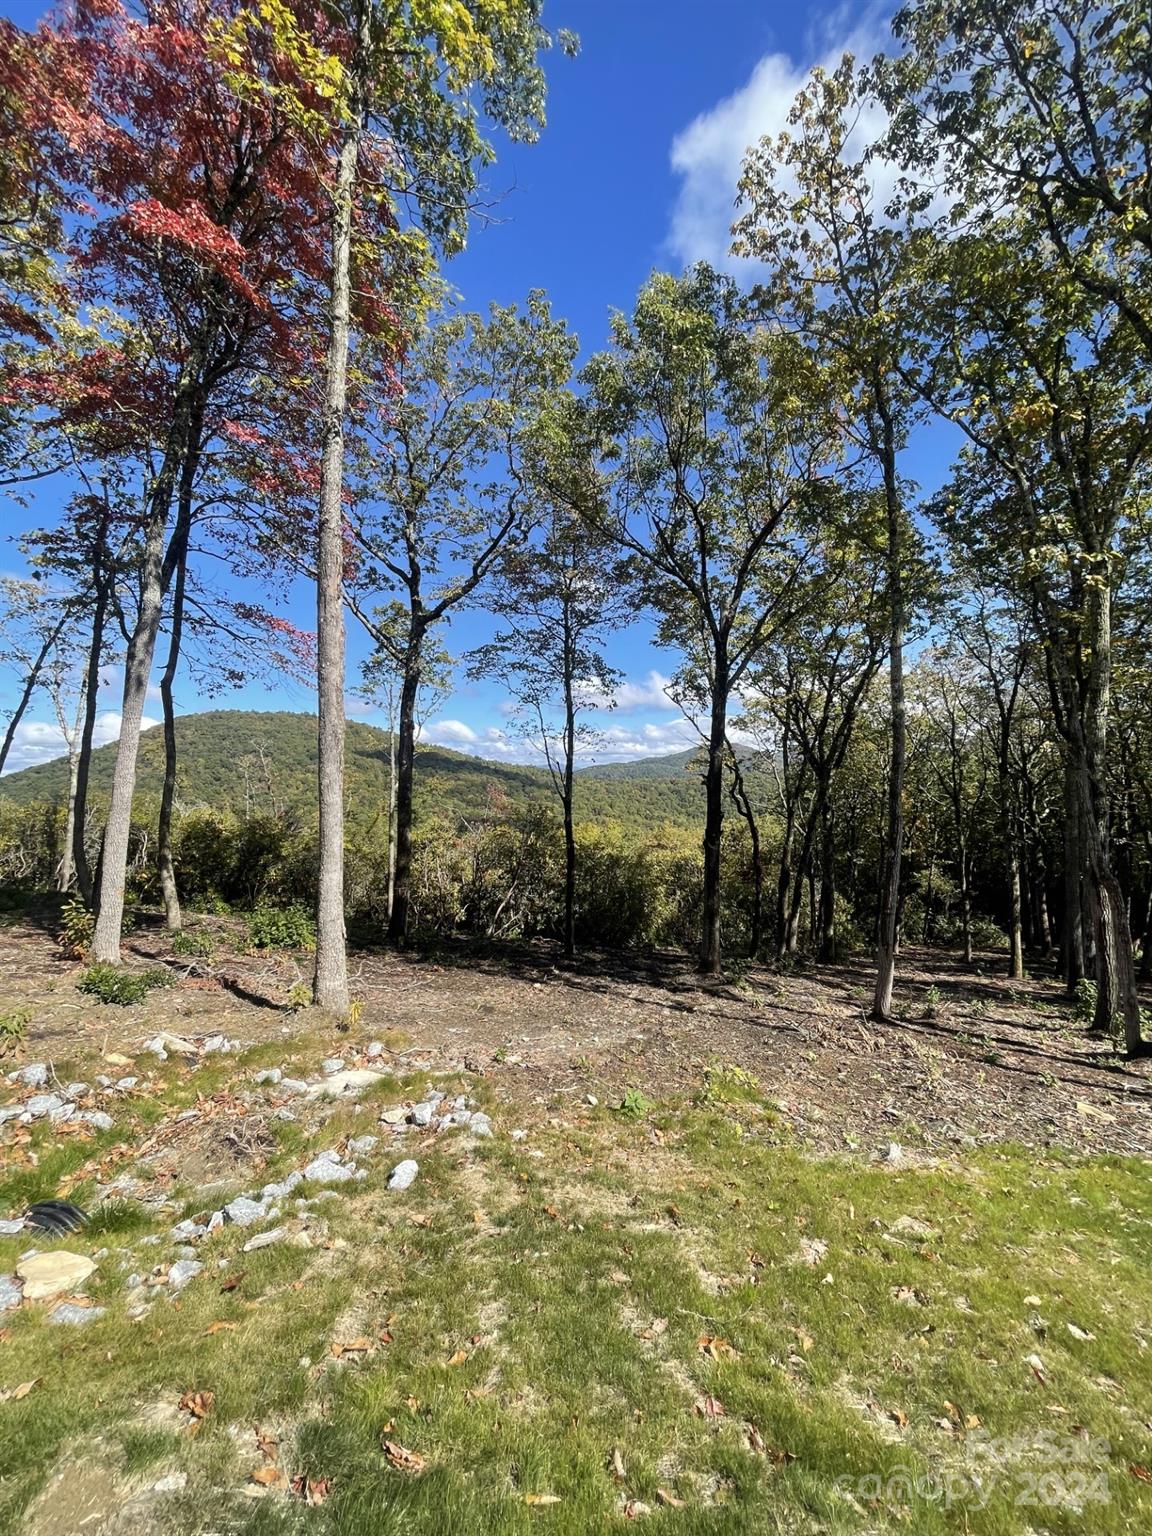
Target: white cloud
[
  {"x": 709, "y": 153},
  {"x": 629, "y": 697},
  {"x": 38, "y": 741}
]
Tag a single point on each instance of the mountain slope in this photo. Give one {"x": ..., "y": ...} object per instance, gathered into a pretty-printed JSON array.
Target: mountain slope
[{"x": 230, "y": 759}]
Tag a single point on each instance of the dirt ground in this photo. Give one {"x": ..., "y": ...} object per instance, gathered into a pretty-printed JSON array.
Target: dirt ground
[{"x": 971, "y": 1058}]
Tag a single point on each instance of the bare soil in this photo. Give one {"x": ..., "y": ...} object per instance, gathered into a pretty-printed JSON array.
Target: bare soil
[{"x": 972, "y": 1057}]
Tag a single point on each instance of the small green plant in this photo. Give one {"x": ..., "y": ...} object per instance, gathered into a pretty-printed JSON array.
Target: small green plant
[
  {"x": 299, "y": 996},
  {"x": 77, "y": 925},
  {"x": 635, "y": 1104},
  {"x": 1084, "y": 1000},
  {"x": 932, "y": 1000},
  {"x": 187, "y": 941},
  {"x": 123, "y": 988},
  {"x": 13, "y": 1029},
  {"x": 281, "y": 928},
  {"x": 725, "y": 1084}
]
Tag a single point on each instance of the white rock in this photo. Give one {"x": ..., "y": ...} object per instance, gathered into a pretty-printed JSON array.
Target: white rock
[
  {"x": 35, "y": 1075},
  {"x": 41, "y": 1104},
  {"x": 245, "y": 1212},
  {"x": 403, "y": 1174},
  {"x": 421, "y": 1114},
  {"x": 127, "y": 1082},
  {"x": 894, "y": 1154},
  {"x": 76, "y": 1090},
  {"x": 183, "y": 1271},
  {"x": 345, "y": 1084},
  {"x": 96, "y": 1117},
  {"x": 48, "y": 1274},
  {"x": 269, "y": 1075},
  {"x": 328, "y": 1169},
  {"x": 332, "y": 1064},
  {"x": 293, "y": 1085},
  {"x": 264, "y": 1239},
  {"x": 10, "y": 1292},
  {"x": 375, "y": 1048},
  {"x": 360, "y": 1146},
  {"x": 173, "y": 1483}
]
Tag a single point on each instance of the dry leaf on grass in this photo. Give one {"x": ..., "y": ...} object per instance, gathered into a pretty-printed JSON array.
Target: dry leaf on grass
[
  {"x": 664, "y": 1497},
  {"x": 402, "y": 1458},
  {"x": 361, "y": 1346},
  {"x": 458, "y": 1358},
  {"x": 708, "y": 1407},
  {"x": 214, "y": 1328},
  {"x": 715, "y": 1348},
  {"x": 14, "y": 1394},
  {"x": 269, "y": 1477},
  {"x": 617, "y": 1462},
  {"x": 539, "y": 1499},
  {"x": 313, "y": 1490}
]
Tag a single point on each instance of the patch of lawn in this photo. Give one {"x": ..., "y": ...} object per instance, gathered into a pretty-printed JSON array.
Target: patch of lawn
[{"x": 662, "y": 1315}]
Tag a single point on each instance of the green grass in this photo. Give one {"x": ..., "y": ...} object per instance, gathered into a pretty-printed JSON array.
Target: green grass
[{"x": 576, "y": 1291}]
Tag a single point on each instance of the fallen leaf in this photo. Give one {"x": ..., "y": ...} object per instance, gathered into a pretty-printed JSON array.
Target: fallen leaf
[
  {"x": 313, "y": 1490},
  {"x": 267, "y": 1444},
  {"x": 1140, "y": 1472},
  {"x": 715, "y": 1348},
  {"x": 402, "y": 1458},
  {"x": 361, "y": 1346},
  {"x": 541, "y": 1498},
  {"x": 708, "y": 1407},
  {"x": 664, "y": 1497},
  {"x": 618, "y": 1471},
  {"x": 1090, "y": 1112},
  {"x": 231, "y": 1284},
  {"x": 805, "y": 1340},
  {"x": 268, "y": 1477},
  {"x": 14, "y": 1394},
  {"x": 459, "y": 1357},
  {"x": 213, "y": 1328}
]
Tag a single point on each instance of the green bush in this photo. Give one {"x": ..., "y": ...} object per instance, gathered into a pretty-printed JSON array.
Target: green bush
[
  {"x": 1084, "y": 1003},
  {"x": 111, "y": 984},
  {"x": 281, "y": 928},
  {"x": 14, "y": 1029},
  {"x": 192, "y": 941}
]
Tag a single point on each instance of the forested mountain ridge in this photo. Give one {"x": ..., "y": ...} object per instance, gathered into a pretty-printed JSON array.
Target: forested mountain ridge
[{"x": 266, "y": 761}]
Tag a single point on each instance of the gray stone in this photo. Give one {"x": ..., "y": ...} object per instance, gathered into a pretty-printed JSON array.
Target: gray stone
[
  {"x": 65, "y": 1112},
  {"x": 76, "y": 1090},
  {"x": 345, "y": 1084},
  {"x": 97, "y": 1118},
  {"x": 293, "y": 1085},
  {"x": 269, "y": 1075},
  {"x": 375, "y": 1048},
  {"x": 361, "y": 1145},
  {"x": 41, "y": 1104},
  {"x": 9, "y": 1228},
  {"x": 11, "y": 1292},
  {"x": 69, "y": 1312},
  {"x": 480, "y": 1125},
  {"x": 216, "y": 1221},
  {"x": 284, "y": 1188},
  {"x": 264, "y": 1239},
  {"x": 185, "y": 1231},
  {"x": 421, "y": 1114},
  {"x": 328, "y": 1169},
  {"x": 173, "y": 1483},
  {"x": 183, "y": 1271},
  {"x": 245, "y": 1212},
  {"x": 127, "y": 1082},
  {"x": 894, "y": 1153},
  {"x": 185, "y": 1251},
  {"x": 214, "y": 1045},
  {"x": 332, "y": 1064},
  {"x": 103, "y": 1081},
  {"x": 35, "y": 1075},
  {"x": 403, "y": 1174},
  {"x": 134, "y": 1280},
  {"x": 11, "y": 1112}
]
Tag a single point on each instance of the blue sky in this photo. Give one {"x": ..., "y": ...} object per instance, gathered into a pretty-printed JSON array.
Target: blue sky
[{"x": 636, "y": 171}]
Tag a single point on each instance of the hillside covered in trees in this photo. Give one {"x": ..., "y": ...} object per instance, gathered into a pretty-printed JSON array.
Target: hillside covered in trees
[{"x": 264, "y": 762}]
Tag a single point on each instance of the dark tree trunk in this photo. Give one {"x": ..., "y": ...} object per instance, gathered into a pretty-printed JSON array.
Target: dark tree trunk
[
  {"x": 569, "y": 827},
  {"x": 29, "y": 689},
  {"x": 101, "y": 596},
  {"x": 827, "y": 917},
  {"x": 743, "y": 805},
  {"x": 1072, "y": 933},
  {"x": 710, "y": 961},
  {"x": 894, "y": 840},
  {"x": 405, "y": 771},
  {"x": 165, "y": 863}
]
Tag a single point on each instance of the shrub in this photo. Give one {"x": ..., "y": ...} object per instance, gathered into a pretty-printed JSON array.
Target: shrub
[
  {"x": 1084, "y": 1001},
  {"x": 281, "y": 928},
  {"x": 192, "y": 942},
  {"x": 76, "y": 928},
  {"x": 110, "y": 984},
  {"x": 13, "y": 1029}
]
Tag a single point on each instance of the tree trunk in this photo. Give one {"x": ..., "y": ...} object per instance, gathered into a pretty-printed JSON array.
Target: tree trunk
[
  {"x": 743, "y": 805},
  {"x": 165, "y": 864},
  {"x": 1072, "y": 933},
  {"x": 391, "y": 818},
  {"x": 569, "y": 829},
  {"x": 405, "y": 771},
  {"x": 965, "y": 894},
  {"x": 29, "y": 688},
  {"x": 67, "y": 859},
  {"x": 709, "y": 964},
  {"x": 894, "y": 841},
  {"x": 826, "y": 951},
  {"x": 84, "y": 758},
  {"x": 330, "y": 982},
  {"x": 137, "y": 669},
  {"x": 1146, "y": 956}
]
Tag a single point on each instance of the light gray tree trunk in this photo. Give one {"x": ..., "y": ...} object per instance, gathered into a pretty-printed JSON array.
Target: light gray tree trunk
[{"x": 330, "y": 983}]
